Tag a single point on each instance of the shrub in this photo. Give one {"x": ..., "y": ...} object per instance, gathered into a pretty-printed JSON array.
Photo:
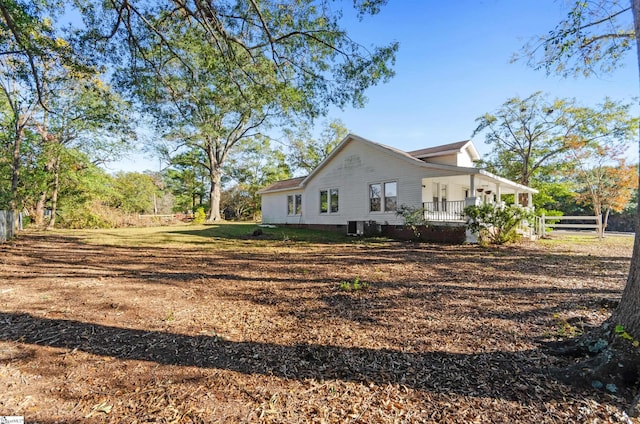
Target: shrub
[
  {"x": 495, "y": 224},
  {"x": 413, "y": 218},
  {"x": 199, "y": 217}
]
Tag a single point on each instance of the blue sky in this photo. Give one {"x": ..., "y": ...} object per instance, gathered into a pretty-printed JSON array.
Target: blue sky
[{"x": 452, "y": 67}]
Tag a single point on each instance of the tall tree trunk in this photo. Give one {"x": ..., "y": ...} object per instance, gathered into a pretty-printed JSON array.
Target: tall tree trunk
[
  {"x": 215, "y": 180},
  {"x": 15, "y": 166},
  {"x": 40, "y": 206},
  {"x": 215, "y": 177},
  {"x": 627, "y": 313},
  {"x": 605, "y": 221},
  {"x": 54, "y": 193}
]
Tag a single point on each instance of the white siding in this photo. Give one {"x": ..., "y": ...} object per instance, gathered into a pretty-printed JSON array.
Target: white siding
[
  {"x": 451, "y": 159},
  {"x": 351, "y": 171},
  {"x": 274, "y": 208},
  {"x": 464, "y": 159},
  {"x": 455, "y": 159}
]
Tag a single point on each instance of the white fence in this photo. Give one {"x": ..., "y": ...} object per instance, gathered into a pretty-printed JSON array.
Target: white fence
[
  {"x": 7, "y": 225},
  {"x": 594, "y": 222}
]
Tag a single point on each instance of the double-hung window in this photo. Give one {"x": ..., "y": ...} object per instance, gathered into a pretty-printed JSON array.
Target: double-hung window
[
  {"x": 329, "y": 200},
  {"x": 383, "y": 197},
  {"x": 294, "y": 204}
]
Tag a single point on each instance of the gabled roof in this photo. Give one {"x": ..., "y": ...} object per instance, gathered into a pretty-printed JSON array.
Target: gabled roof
[
  {"x": 281, "y": 185},
  {"x": 414, "y": 158},
  {"x": 447, "y": 149},
  {"x": 390, "y": 150}
]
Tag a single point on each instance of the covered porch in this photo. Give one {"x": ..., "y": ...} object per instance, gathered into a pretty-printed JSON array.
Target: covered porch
[{"x": 445, "y": 198}]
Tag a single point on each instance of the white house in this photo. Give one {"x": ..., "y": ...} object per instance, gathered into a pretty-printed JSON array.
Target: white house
[{"x": 366, "y": 182}]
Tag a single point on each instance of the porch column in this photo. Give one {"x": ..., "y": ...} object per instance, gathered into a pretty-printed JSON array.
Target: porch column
[
  {"x": 516, "y": 198},
  {"x": 530, "y": 200},
  {"x": 472, "y": 185},
  {"x": 498, "y": 193}
]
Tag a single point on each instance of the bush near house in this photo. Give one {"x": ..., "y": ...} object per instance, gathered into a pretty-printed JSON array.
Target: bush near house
[{"x": 496, "y": 224}]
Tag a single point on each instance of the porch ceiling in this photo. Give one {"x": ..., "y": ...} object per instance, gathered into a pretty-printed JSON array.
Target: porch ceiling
[{"x": 484, "y": 180}]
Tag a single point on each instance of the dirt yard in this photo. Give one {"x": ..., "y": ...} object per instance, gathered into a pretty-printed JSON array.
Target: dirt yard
[{"x": 219, "y": 330}]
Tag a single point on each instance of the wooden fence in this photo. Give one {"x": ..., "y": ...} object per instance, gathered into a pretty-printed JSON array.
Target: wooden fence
[
  {"x": 593, "y": 222},
  {"x": 7, "y": 225}
]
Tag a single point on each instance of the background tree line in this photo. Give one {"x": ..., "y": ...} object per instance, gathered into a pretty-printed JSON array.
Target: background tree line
[
  {"x": 208, "y": 79},
  {"x": 210, "y": 94}
]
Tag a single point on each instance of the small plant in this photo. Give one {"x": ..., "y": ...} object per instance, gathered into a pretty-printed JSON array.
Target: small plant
[
  {"x": 199, "y": 217},
  {"x": 620, "y": 331},
  {"x": 565, "y": 328},
  {"x": 354, "y": 285},
  {"x": 413, "y": 218}
]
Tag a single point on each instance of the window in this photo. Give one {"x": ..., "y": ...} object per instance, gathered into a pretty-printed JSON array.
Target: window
[
  {"x": 298, "y": 201},
  {"x": 329, "y": 202},
  {"x": 334, "y": 200},
  {"x": 294, "y": 204},
  {"x": 387, "y": 199},
  {"x": 375, "y": 195},
  {"x": 289, "y": 205},
  {"x": 390, "y": 197},
  {"x": 324, "y": 203}
]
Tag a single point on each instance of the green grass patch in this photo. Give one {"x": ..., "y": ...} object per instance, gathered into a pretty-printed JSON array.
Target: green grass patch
[
  {"x": 227, "y": 234},
  {"x": 609, "y": 240}
]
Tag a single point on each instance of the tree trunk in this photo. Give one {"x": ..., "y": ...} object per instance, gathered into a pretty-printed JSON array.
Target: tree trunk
[
  {"x": 215, "y": 177},
  {"x": 40, "y": 206},
  {"x": 604, "y": 222},
  {"x": 628, "y": 312},
  {"x": 54, "y": 194},
  {"x": 597, "y": 211},
  {"x": 15, "y": 167},
  {"x": 215, "y": 180}
]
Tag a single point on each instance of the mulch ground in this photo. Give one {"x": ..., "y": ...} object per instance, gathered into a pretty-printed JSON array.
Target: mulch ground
[{"x": 92, "y": 333}]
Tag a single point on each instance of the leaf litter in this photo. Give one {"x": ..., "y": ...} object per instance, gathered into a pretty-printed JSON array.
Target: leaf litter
[{"x": 443, "y": 334}]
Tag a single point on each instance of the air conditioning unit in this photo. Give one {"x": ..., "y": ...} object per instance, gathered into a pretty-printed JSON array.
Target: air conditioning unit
[{"x": 355, "y": 228}]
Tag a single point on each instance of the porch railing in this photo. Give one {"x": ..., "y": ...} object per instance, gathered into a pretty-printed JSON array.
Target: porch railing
[{"x": 444, "y": 210}]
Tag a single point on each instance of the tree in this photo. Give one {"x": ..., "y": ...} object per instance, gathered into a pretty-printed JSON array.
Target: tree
[
  {"x": 18, "y": 108},
  {"x": 85, "y": 190},
  {"x": 211, "y": 111},
  {"x": 186, "y": 180},
  {"x": 596, "y": 33},
  {"x": 604, "y": 180},
  {"x": 526, "y": 135},
  {"x": 591, "y": 40},
  {"x": 255, "y": 165},
  {"x": 530, "y": 136},
  {"x": 225, "y": 71},
  {"x": 82, "y": 113},
  {"x": 29, "y": 39},
  {"x": 593, "y": 37},
  {"x": 307, "y": 152},
  {"x": 134, "y": 192},
  {"x": 301, "y": 41}
]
